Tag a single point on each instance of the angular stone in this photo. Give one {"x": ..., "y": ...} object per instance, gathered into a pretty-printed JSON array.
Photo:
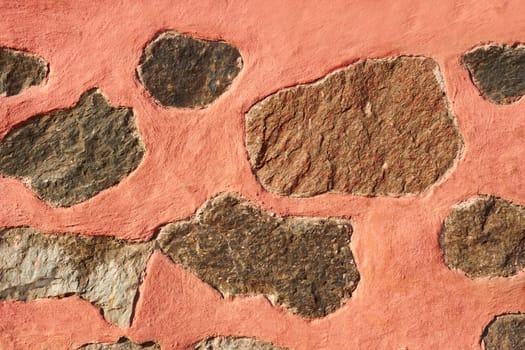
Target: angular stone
[
  {"x": 122, "y": 344},
  {"x": 20, "y": 70},
  {"x": 304, "y": 264},
  {"x": 181, "y": 71},
  {"x": 69, "y": 155},
  {"x": 484, "y": 237},
  {"x": 102, "y": 270},
  {"x": 232, "y": 343},
  {"x": 379, "y": 127},
  {"x": 505, "y": 332},
  {"x": 498, "y": 71}
]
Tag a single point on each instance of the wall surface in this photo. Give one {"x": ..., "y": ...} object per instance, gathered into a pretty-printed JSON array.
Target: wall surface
[{"x": 406, "y": 296}]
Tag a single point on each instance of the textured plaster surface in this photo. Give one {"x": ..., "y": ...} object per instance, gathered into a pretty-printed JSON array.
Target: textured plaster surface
[{"x": 407, "y": 298}]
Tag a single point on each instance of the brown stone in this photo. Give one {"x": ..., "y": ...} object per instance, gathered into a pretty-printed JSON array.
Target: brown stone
[
  {"x": 69, "y": 155},
  {"x": 304, "y": 264},
  {"x": 102, "y": 270},
  {"x": 122, "y": 344},
  {"x": 20, "y": 70},
  {"x": 484, "y": 237},
  {"x": 498, "y": 71},
  {"x": 505, "y": 332},
  {"x": 232, "y": 343},
  {"x": 379, "y": 127},
  {"x": 181, "y": 71}
]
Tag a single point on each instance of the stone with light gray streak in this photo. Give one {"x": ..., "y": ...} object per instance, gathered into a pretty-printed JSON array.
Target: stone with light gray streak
[
  {"x": 102, "y": 270},
  {"x": 122, "y": 344},
  {"x": 20, "y": 70},
  {"x": 232, "y": 343}
]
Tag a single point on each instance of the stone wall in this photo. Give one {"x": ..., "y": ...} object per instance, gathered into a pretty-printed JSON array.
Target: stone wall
[{"x": 262, "y": 175}]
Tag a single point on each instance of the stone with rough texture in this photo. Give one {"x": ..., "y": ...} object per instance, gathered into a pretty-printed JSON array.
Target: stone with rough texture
[
  {"x": 505, "y": 332},
  {"x": 484, "y": 237},
  {"x": 122, "y": 344},
  {"x": 498, "y": 71},
  {"x": 102, "y": 270},
  {"x": 181, "y": 71},
  {"x": 304, "y": 264},
  {"x": 69, "y": 155},
  {"x": 20, "y": 70},
  {"x": 377, "y": 127},
  {"x": 232, "y": 343}
]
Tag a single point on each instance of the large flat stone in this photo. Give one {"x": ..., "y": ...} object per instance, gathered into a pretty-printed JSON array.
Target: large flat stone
[
  {"x": 122, "y": 344},
  {"x": 379, "y": 127},
  {"x": 20, "y": 70},
  {"x": 69, "y": 155},
  {"x": 102, "y": 270},
  {"x": 304, "y": 264},
  {"x": 233, "y": 343},
  {"x": 181, "y": 71},
  {"x": 505, "y": 332},
  {"x": 483, "y": 237},
  {"x": 498, "y": 71}
]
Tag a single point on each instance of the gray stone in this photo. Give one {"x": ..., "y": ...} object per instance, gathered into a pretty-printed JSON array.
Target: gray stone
[
  {"x": 67, "y": 156},
  {"x": 379, "y": 127},
  {"x": 484, "y": 237},
  {"x": 181, "y": 71},
  {"x": 505, "y": 332},
  {"x": 20, "y": 70},
  {"x": 232, "y": 343},
  {"x": 498, "y": 71},
  {"x": 122, "y": 344},
  {"x": 303, "y": 264},
  {"x": 102, "y": 270}
]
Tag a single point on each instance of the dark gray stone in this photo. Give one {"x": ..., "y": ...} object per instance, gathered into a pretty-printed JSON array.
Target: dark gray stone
[
  {"x": 484, "y": 237},
  {"x": 122, "y": 344},
  {"x": 20, "y": 70},
  {"x": 304, "y": 264},
  {"x": 67, "y": 156},
  {"x": 181, "y": 71},
  {"x": 233, "y": 343},
  {"x": 505, "y": 332},
  {"x": 102, "y": 270},
  {"x": 498, "y": 71},
  {"x": 379, "y": 127}
]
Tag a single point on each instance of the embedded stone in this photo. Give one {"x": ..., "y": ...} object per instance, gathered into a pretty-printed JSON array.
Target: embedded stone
[
  {"x": 232, "y": 343},
  {"x": 505, "y": 332},
  {"x": 122, "y": 344},
  {"x": 483, "y": 237},
  {"x": 20, "y": 70},
  {"x": 69, "y": 155},
  {"x": 498, "y": 71},
  {"x": 102, "y": 270},
  {"x": 181, "y": 71},
  {"x": 379, "y": 127},
  {"x": 303, "y": 264}
]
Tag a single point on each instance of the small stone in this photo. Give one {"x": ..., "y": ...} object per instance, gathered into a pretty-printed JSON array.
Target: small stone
[
  {"x": 483, "y": 237},
  {"x": 102, "y": 270},
  {"x": 69, "y": 155},
  {"x": 231, "y": 343},
  {"x": 20, "y": 70},
  {"x": 303, "y": 264},
  {"x": 505, "y": 332},
  {"x": 498, "y": 71},
  {"x": 122, "y": 344},
  {"x": 379, "y": 127},
  {"x": 181, "y": 71}
]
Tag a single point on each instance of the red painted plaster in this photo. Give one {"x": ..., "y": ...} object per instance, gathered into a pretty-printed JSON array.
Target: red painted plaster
[{"x": 407, "y": 298}]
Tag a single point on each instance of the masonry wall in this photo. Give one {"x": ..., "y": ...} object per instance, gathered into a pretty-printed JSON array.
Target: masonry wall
[{"x": 262, "y": 175}]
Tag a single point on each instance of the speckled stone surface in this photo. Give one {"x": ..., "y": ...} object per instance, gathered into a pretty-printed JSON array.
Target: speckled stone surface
[
  {"x": 122, "y": 344},
  {"x": 484, "y": 236},
  {"x": 69, "y": 155},
  {"x": 505, "y": 332},
  {"x": 375, "y": 128},
  {"x": 498, "y": 71},
  {"x": 20, "y": 70},
  {"x": 303, "y": 264},
  {"x": 233, "y": 343},
  {"x": 181, "y": 71}
]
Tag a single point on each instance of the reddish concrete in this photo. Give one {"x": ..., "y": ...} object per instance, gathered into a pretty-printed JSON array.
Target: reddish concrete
[{"x": 406, "y": 299}]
